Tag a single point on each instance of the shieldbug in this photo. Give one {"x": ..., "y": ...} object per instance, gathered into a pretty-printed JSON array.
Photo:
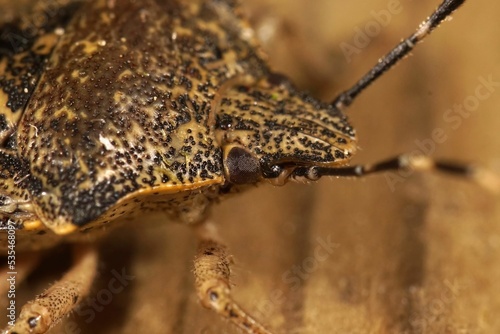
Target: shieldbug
[{"x": 90, "y": 127}]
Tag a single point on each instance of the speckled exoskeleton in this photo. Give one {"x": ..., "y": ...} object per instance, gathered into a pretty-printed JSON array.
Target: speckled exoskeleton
[{"x": 110, "y": 109}]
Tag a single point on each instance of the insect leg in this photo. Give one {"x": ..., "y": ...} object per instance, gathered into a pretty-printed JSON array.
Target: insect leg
[
  {"x": 212, "y": 276},
  {"x": 405, "y": 162},
  {"x": 49, "y": 308}
]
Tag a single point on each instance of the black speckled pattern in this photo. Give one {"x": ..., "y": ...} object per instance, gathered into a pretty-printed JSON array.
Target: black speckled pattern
[{"x": 131, "y": 105}]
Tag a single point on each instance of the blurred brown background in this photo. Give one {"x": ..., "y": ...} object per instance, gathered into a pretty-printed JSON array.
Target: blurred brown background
[{"x": 421, "y": 258}]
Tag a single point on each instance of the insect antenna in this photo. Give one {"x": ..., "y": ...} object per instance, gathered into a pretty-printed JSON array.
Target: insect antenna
[
  {"x": 406, "y": 162},
  {"x": 444, "y": 10}
]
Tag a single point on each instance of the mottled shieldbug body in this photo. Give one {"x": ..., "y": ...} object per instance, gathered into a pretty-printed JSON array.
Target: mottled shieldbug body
[{"x": 113, "y": 109}]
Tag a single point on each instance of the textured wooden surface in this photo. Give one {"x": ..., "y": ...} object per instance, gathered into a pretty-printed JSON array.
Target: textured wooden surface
[{"x": 421, "y": 258}]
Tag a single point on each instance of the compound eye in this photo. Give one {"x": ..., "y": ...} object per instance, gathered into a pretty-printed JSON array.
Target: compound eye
[{"x": 241, "y": 166}]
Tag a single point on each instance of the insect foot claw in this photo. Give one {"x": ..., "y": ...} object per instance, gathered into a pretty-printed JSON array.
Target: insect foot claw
[{"x": 212, "y": 274}]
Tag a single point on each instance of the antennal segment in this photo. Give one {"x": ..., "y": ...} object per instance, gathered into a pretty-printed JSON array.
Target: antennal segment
[
  {"x": 406, "y": 162},
  {"x": 345, "y": 99}
]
